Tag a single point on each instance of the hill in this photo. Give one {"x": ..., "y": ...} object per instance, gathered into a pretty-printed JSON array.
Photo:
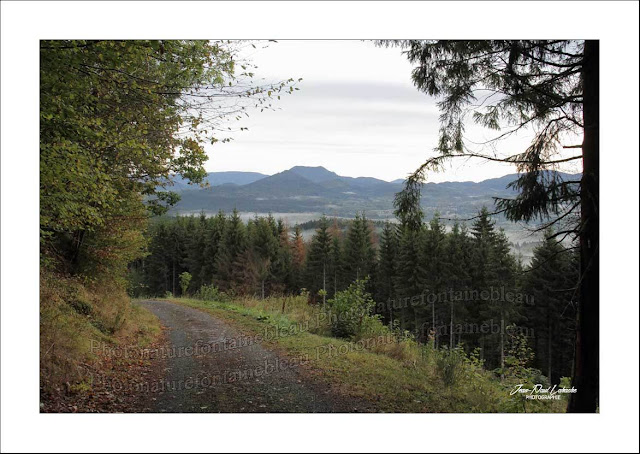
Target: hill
[
  {"x": 219, "y": 179},
  {"x": 318, "y": 190}
]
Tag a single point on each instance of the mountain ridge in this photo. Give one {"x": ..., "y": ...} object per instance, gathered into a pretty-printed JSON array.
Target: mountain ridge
[{"x": 316, "y": 189}]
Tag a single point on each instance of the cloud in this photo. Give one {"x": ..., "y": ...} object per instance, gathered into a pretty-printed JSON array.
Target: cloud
[{"x": 356, "y": 113}]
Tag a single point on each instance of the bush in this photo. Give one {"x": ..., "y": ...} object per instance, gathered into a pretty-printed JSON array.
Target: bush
[
  {"x": 211, "y": 293},
  {"x": 185, "y": 280},
  {"x": 450, "y": 365},
  {"x": 350, "y": 311}
]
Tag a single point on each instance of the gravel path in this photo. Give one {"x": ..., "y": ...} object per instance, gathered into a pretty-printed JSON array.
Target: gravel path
[{"x": 203, "y": 372}]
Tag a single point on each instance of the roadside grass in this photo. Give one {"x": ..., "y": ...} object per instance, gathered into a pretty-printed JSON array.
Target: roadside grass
[
  {"x": 75, "y": 316},
  {"x": 393, "y": 374}
]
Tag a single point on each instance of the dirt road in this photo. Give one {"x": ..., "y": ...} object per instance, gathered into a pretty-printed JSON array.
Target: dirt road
[{"x": 205, "y": 368}]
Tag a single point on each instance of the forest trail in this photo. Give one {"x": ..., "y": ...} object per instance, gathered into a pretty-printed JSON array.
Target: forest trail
[{"x": 207, "y": 367}]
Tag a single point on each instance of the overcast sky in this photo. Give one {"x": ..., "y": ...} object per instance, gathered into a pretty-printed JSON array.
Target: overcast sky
[{"x": 357, "y": 113}]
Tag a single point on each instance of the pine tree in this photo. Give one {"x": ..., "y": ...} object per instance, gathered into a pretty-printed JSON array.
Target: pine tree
[
  {"x": 298, "y": 258},
  {"x": 282, "y": 268},
  {"x": 502, "y": 279},
  {"x": 552, "y": 87},
  {"x": 456, "y": 265},
  {"x": 483, "y": 234},
  {"x": 176, "y": 248},
  {"x": 431, "y": 256},
  {"x": 196, "y": 250},
  {"x": 551, "y": 280},
  {"x": 318, "y": 260},
  {"x": 213, "y": 233},
  {"x": 409, "y": 271},
  {"x": 387, "y": 274},
  {"x": 359, "y": 253},
  {"x": 492, "y": 270},
  {"x": 232, "y": 245},
  {"x": 336, "y": 260},
  {"x": 156, "y": 263},
  {"x": 264, "y": 245}
]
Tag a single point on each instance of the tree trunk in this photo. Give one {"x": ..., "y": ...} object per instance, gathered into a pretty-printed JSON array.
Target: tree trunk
[
  {"x": 549, "y": 350},
  {"x": 324, "y": 285},
  {"x": 173, "y": 277},
  {"x": 451, "y": 329},
  {"x": 501, "y": 344},
  {"x": 587, "y": 367},
  {"x": 433, "y": 323}
]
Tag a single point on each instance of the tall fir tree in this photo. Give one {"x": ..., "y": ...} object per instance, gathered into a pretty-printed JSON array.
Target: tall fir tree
[
  {"x": 298, "y": 259},
  {"x": 318, "y": 260},
  {"x": 431, "y": 277},
  {"x": 551, "y": 280},
  {"x": 232, "y": 245},
  {"x": 410, "y": 270},
  {"x": 387, "y": 274},
  {"x": 336, "y": 259},
  {"x": 359, "y": 253}
]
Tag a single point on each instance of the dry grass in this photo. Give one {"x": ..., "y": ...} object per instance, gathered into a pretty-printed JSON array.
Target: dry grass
[{"x": 73, "y": 314}]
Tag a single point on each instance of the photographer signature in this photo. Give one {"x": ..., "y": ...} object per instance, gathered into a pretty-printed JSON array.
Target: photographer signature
[{"x": 540, "y": 389}]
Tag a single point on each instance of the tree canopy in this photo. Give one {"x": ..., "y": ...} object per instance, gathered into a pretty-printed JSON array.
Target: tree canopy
[
  {"x": 550, "y": 88},
  {"x": 118, "y": 119}
]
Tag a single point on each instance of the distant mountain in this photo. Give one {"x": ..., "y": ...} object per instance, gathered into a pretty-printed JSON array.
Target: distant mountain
[
  {"x": 318, "y": 190},
  {"x": 284, "y": 184},
  {"x": 315, "y": 174},
  {"x": 239, "y": 178},
  {"x": 220, "y": 178}
]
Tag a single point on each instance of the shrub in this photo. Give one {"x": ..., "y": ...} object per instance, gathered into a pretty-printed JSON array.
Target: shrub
[
  {"x": 350, "y": 311},
  {"x": 211, "y": 293},
  {"x": 450, "y": 365},
  {"x": 185, "y": 280}
]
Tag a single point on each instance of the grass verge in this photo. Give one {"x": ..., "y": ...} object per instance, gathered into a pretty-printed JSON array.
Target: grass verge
[
  {"x": 395, "y": 376},
  {"x": 75, "y": 318}
]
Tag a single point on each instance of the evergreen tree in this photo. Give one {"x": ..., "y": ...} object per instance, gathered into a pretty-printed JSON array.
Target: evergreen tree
[
  {"x": 318, "y": 260},
  {"x": 298, "y": 259},
  {"x": 431, "y": 277},
  {"x": 359, "y": 254},
  {"x": 552, "y": 87},
  {"x": 502, "y": 279},
  {"x": 232, "y": 245},
  {"x": 456, "y": 266},
  {"x": 176, "y": 248},
  {"x": 408, "y": 276},
  {"x": 156, "y": 263},
  {"x": 282, "y": 268},
  {"x": 388, "y": 269},
  {"x": 551, "y": 280},
  {"x": 264, "y": 247},
  {"x": 336, "y": 260},
  {"x": 483, "y": 234},
  {"x": 196, "y": 249}
]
